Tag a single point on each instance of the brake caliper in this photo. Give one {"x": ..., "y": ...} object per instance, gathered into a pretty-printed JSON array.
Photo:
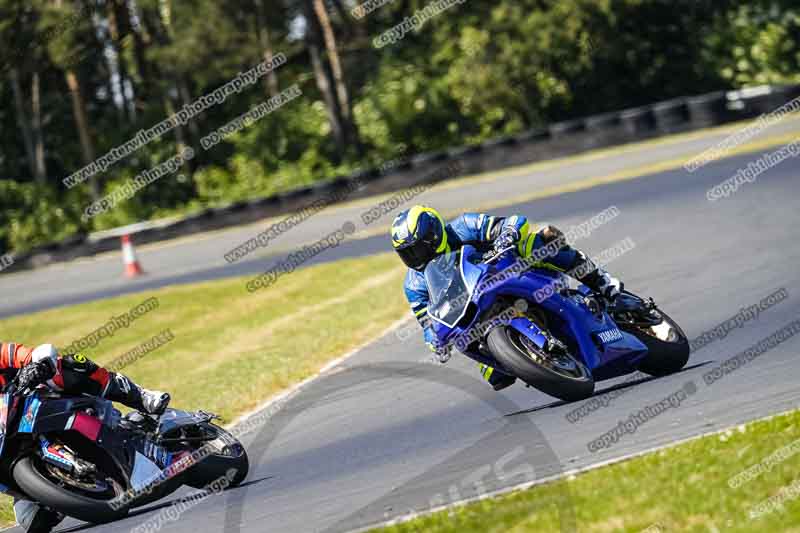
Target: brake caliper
[{"x": 59, "y": 455}]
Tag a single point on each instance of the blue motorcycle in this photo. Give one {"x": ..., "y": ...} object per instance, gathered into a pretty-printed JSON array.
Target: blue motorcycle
[{"x": 527, "y": 322}]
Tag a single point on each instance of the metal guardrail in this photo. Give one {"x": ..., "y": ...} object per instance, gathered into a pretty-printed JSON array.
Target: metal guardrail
[{"x": 556, "y": 140}]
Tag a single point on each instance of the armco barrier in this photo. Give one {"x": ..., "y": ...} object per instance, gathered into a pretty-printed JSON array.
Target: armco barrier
[{"x": 557, "y": 140}]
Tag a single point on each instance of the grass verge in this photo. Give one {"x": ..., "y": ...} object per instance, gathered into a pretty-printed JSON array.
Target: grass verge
[
  {"x": 232, "y": 349},
  {"x": 684, "y": 488}
]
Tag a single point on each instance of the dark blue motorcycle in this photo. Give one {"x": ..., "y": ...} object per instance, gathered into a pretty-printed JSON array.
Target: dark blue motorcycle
[{"x": 528, "y": 323}]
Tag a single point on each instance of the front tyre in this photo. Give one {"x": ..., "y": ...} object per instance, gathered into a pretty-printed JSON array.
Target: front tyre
[
  {"x": 80, "y": 499},
  {"x": 560, "y": 375}
]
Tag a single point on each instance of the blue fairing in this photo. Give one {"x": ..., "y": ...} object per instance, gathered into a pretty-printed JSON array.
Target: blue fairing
[
  {"x": 6, "y": 401},
  {"x": 29, "y": 413},
  {"x": 594, "y": 336}
]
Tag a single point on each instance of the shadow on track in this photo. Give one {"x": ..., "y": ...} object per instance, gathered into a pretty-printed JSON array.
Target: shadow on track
[
  {"x": 163, "y": 505},
  {"x": 618, "y": 386}
]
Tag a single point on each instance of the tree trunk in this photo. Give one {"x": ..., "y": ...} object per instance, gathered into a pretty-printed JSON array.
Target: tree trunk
[
  {"x": 36, "y": 127},
  {"x": 141, "y": 42},
  {"x": 331, "y": 104},
  {"x": 342, "y": 94},
  {"x": 333, "y": 57},
  {"x": 22, "y": 119},
  {"x": 271, "y": 82},
  {"x": 194, "y": 130},
  {"x": 118, "y": 66},
  {"x": 180, "y": 138},
  {"x": 82, "y": 124}
]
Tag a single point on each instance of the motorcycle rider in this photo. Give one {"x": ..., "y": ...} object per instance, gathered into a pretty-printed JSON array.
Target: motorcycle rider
[
  {"x": 75, "y": 374},
  {"x": 420, "y": 234}
]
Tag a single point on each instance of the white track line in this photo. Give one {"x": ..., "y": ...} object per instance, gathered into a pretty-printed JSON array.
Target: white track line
[{"x": 292, "y": 391}]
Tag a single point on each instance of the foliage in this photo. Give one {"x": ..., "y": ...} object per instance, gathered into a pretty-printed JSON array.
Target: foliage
[{"x": 477, "y": 71}]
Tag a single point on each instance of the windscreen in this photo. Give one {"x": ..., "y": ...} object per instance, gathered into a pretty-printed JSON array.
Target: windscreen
[{"x": 448, "y": 292}]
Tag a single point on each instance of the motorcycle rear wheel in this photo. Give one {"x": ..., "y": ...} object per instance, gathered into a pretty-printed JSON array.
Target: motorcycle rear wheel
[
  {"x": 665, "y": 356},
  {"x": 563, "y": 377},
  {"x": 229, "y": 455},
  {"x": 667, "y": 345}
]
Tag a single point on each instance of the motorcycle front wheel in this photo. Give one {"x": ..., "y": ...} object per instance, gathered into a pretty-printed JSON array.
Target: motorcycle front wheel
[
  {"x": 560, "y": 375},
  {"x": 84, "y": 499}
]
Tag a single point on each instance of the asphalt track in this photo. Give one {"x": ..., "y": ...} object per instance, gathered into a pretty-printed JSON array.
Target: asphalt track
[
  {"x": 384, "y": 433},
  {"x": 201, "y": 258}
]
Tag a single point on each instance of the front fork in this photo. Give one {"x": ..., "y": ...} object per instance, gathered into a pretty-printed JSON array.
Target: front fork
[{"x": 526, "y": 327}]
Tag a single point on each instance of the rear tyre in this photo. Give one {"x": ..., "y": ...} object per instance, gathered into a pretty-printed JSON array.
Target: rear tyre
[
  {"x": 39, "y": 482},
  {"x": 561, "y": 376},
  {"x": 667, "y": 345}
]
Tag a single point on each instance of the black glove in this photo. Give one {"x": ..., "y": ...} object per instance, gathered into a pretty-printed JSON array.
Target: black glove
[
  {"x": 508, "y": 237},
  {"x": 34, "y": 374}
]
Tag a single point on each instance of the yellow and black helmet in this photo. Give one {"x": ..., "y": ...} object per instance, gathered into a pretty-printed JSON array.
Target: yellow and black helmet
[{"x": 419, "y": 235}]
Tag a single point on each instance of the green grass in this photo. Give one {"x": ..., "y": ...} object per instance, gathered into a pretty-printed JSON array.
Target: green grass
[
  {"x": 232, "y": 349},
  {"x": 684, "y": 488}
]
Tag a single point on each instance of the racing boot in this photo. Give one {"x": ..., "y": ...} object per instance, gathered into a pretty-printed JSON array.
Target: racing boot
[
  {"x": 498, "y": 380},
  {"x": 596, "y": 278},
  {"x": 123, "y": 390},
  {"x": 33, "y": 518}
]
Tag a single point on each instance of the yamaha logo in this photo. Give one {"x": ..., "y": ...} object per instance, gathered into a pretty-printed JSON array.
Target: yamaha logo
[{"x": 610, "y": 335}]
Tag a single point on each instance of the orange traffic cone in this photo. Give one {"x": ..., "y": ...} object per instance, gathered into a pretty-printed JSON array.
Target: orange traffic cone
[{"x": 132, "y": 266}]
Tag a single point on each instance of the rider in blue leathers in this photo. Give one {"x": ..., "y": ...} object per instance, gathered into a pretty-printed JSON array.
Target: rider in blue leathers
[{"x": 420, "y": 234}]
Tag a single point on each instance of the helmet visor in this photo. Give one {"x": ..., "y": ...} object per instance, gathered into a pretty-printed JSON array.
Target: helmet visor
[{"x": 416, "y": 255}]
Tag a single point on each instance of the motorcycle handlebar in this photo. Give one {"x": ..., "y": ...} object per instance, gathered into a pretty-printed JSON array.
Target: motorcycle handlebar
[{"x": 492, "y": 256}]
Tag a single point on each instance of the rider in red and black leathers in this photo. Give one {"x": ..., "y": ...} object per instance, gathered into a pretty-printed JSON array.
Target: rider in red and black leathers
[
  {"x": 420, "y": 234},
  {"x": 75, "y": 374}
]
